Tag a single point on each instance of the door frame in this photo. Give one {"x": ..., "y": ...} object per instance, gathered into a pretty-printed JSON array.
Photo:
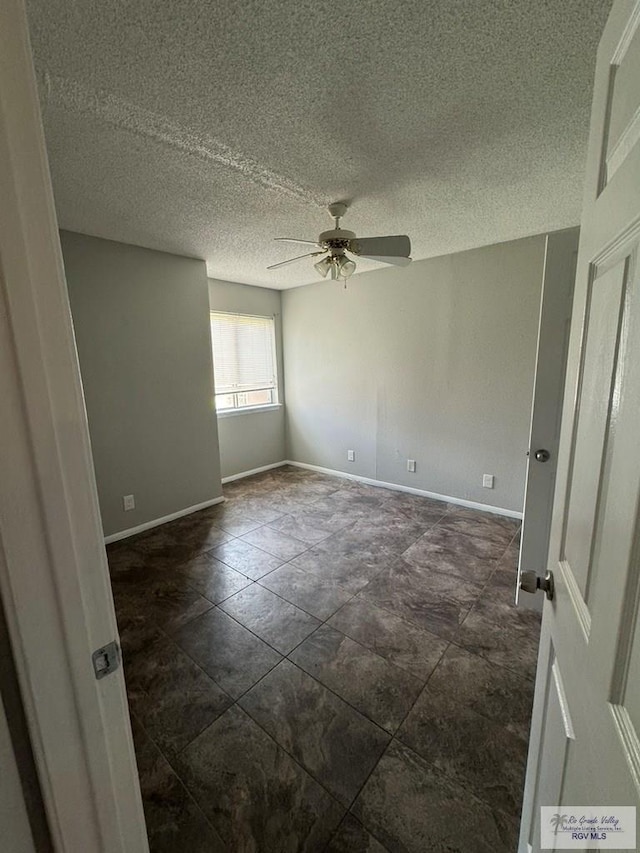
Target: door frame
[{"x": 54, "y": 580}]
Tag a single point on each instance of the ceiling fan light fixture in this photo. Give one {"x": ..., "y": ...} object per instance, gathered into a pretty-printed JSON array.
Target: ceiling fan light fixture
[
  {"x": 323, "y": 266},
  {"x": 347, "y": 267}
]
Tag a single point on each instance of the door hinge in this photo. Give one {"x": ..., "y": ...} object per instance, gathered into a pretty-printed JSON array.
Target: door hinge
[{"x": 106, "y": 659}]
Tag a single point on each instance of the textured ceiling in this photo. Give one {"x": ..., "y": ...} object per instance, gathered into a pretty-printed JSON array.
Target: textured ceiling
[{"x": 209, "y": 128}]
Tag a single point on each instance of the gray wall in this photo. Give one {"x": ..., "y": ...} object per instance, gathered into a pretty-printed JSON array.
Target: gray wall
[
  {"x": 253, "y": 439},
  {"x": 142, "y": 330},
  {"x": 434, "y": 362}
]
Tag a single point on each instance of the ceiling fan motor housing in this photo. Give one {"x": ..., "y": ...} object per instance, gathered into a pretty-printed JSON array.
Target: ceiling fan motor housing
[{"x": 336, "y": 240}]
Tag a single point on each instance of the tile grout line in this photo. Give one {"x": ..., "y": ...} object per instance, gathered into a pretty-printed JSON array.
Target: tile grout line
[{"x": 181, "y": 781}]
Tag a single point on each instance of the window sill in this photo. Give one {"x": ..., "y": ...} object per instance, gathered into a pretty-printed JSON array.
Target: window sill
[{"x": 249, "y": 410}]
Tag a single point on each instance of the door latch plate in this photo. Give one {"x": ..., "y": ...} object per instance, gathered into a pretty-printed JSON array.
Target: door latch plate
[{"x": 106, "y": 659}]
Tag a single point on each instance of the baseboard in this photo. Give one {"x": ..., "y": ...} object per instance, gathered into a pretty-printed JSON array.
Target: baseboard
[
  {"x": 496, "y": 510},
  {"x": 148, "y": 525},
  {"x": 250, "y": 473}
]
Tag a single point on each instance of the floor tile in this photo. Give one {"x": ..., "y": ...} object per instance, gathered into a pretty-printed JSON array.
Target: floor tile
[
  {"x": 347, "y": 505},
  {"x": 468, "y": 556},
  {"x": 503, "y": 581},
  {"x": 352, "y": 572},
  {"x": 232, "y": 519},
  {"x": 199, "y": 532},
  {"x": 290, "y": 501},
  {"x": 276, "y": 621},
  {"x": 416, "y": 507},
  {"x": 356, "y": 542},
  {"x": 253, "y": 793},
  {"x": 381, "y": 691},
  {"x": 503, "y": 634},
  {"x": 156, "y": 542},
  {"x": 179, "y": 540},
  {"x": 389, "y": 531},
  {"x": 276, "y": 543},
  {"x": 213, "y": 579},
  {"x": 476, "y": 522},
  {"x": 411, "y": 648},
  {"x": 174, "y": 821},
  {"x": 333, "y": 742},
  {"x": 479, "y": 754},
  {"x": 122, "y": 557},
  {"x": 305, "y": 590},
  {"x": 172, "y": 696},
  {"x": 405, "y": 596},
  {"x": 257, "y": 508},
  {"x": 167, "y": 603},
  {"x": 430, "y": 647},
  {"x": 352, "y": 837},
  {"x": 321, "y": 517},
  {"x": 136, "y": 633},
  {"x": 245, "y": 558},
  {"x": 432, "y": 581},
  {"x": 466, "y": 539},
  {"x": 233, "y": 656},
  {"x": 490, "y": 690},
  {"x": 502, "y": 586},
  {"x": 412, "y": 807},
  {"x": 300, "y": 528}
]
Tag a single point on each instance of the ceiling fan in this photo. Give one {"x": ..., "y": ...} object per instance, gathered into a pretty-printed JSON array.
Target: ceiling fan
[{"x": 335, "y": 244}]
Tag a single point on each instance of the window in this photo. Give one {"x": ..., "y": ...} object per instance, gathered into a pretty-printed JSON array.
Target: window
[{"x": 244, "y": 361}]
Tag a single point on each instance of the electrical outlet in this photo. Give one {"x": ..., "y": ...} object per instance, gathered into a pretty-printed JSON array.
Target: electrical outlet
[
  {"x": 487, "y": 481},
  {"x": 411, "y": 466},
  {"x": 128, "y": 502},
  {"x": 351, "y": 456}
]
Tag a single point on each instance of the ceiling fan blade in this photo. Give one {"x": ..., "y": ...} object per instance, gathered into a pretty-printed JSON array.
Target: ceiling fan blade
[
  {"x": 398, "y": 246},
  {"x": 292, "y": 260},
  {"x": 387, "y": 259},
  {"x": 293, "y": 240}
]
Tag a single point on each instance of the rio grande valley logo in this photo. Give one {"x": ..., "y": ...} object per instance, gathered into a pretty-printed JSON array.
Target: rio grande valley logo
[{"x": 598, "y": 827}]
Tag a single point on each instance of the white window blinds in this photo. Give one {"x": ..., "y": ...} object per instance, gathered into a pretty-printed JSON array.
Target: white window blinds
[{"x": 243, "y": 353}]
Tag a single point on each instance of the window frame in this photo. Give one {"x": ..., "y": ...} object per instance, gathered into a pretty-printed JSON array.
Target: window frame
[{"x": 276, "y": 402}]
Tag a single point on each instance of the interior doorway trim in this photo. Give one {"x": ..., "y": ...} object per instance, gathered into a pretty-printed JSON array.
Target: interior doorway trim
[{"x": 54, "y": 579}]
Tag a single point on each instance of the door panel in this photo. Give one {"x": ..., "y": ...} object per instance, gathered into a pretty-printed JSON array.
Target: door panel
[
  {"x": 622, "y": 129},
  {"x": 591, "y": 630},
  {"x": 557, "y": 734},
  {"x": 596, "y": 385}
]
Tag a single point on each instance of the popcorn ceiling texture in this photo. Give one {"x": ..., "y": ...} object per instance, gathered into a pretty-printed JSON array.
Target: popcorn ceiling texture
[{"x": 207, "y": 129}]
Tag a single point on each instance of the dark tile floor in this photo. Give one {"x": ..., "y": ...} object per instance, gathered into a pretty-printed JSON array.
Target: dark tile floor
[{"x": 321, "y": 665}]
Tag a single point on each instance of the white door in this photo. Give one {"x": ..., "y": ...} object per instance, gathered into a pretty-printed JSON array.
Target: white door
[
  {"x": 54, "y": 581},
  {"x": 585, "y": 738},
  {"x": 558, "y": 276}
]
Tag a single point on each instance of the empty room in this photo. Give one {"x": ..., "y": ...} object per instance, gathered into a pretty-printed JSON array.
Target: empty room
[{"x": 319, "y": 522}]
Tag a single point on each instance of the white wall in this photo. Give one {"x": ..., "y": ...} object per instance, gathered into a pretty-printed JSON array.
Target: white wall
[
  {"x": 141, "y": 321},
  {"x": 434, "y": 362},
  {"x": 252, "y": 439}
]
